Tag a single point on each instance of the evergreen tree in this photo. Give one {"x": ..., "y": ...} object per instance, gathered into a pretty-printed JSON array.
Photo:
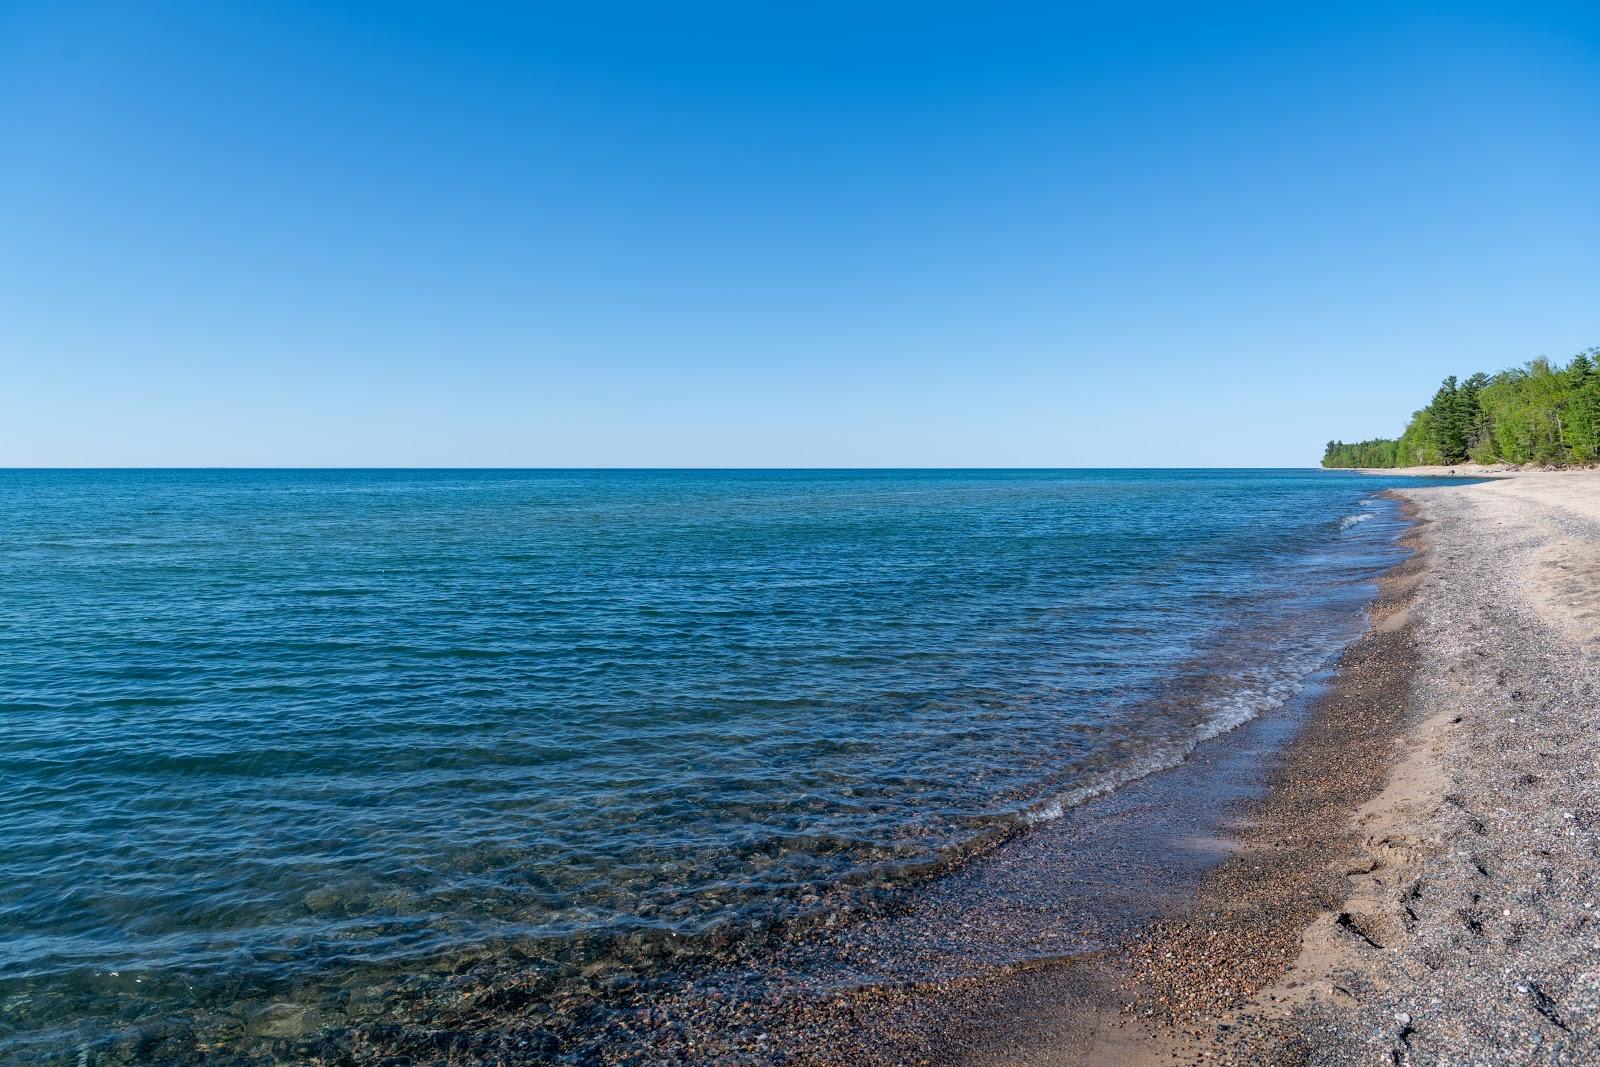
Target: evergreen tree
[{"x": 1446, "y": 424}]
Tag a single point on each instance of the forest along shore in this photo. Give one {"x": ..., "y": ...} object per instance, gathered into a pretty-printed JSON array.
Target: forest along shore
[
  {"x": 1466, "y": 922},
  {"x": 1540, "y": 413}
]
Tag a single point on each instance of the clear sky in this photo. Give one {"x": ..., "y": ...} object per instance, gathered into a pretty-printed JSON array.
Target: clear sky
[{"x": 508, "y": 234}]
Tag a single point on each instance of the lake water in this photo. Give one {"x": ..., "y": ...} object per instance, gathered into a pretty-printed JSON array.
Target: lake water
[{"x": 261, "y": 730}]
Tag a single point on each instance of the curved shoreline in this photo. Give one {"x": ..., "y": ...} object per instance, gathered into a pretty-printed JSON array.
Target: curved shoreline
[
  {"x": 1173, "y": 993},
  {"x": 942, "y": 975},
  {"x": 946, "y": 974},
  {"x": 1421, "y": 886}
]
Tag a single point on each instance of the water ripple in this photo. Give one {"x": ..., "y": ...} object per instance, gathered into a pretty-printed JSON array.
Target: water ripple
[{"x": 258, "y": 725}]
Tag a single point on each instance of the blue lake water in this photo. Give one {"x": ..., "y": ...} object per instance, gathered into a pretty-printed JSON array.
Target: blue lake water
[{"x": 259, "y": 728}]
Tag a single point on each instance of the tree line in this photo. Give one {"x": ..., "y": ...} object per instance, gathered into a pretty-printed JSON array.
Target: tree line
[{"x": 1538, "y": 413}]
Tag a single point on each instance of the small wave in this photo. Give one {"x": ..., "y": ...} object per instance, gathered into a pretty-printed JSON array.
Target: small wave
[
  {"x": 1225, "y": 716},
  {"x": 1250, "y": 693},
  {"x": 1354, "y": 520},
  {"x": 1160, "y": 759}
]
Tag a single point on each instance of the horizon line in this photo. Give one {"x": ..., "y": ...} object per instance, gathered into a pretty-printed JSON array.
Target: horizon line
[{"x": 415, "y": 467}]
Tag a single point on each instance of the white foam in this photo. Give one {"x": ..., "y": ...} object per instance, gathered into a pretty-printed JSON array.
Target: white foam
[
  {"x": 1264, "y": 692},
  {"x": 1273, "y": 680},
  {"x": 1157, "y": 760}
]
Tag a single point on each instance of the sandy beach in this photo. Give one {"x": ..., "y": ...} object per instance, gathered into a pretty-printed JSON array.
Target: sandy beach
[
  {"x": 1472, "y": 937},
  {"x": 1422, "y": 885}
]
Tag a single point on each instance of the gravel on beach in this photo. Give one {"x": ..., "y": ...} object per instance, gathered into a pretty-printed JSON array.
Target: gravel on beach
[
  {"x": 1467, "y": 927},
  {"x": 1491, "y": 952}
]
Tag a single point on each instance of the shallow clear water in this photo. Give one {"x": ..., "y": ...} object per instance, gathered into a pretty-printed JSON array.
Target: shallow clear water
[{"x": 258, "y": 726}]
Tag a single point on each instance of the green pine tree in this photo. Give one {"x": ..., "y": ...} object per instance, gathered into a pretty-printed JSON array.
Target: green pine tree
[{"x": 1447, "y": 424}]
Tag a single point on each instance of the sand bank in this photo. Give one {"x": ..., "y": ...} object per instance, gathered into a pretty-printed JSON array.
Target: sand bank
[
  {"x": 1464, "y": 470},
  {"x": 1475, "y": 470}
]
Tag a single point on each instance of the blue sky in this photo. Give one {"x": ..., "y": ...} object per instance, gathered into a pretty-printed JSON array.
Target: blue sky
[{"x": 516, "y": 234}]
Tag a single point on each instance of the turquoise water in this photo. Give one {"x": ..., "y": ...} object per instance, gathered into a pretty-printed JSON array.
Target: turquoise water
[{"x": 263, "y": 729}]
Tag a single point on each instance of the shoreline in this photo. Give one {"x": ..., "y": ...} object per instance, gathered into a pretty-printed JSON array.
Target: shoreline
[
  {"x": 1421, "y": 883},
  {"x": 1467, "y": 470},
  {"x": 1183, "y": 919},
  {"x": 1266, "y": 920},
  {"x": 1181, "y": 930},
  {"x": 1186, "y": 988},
  {"x": 1459, "y": 470}
]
